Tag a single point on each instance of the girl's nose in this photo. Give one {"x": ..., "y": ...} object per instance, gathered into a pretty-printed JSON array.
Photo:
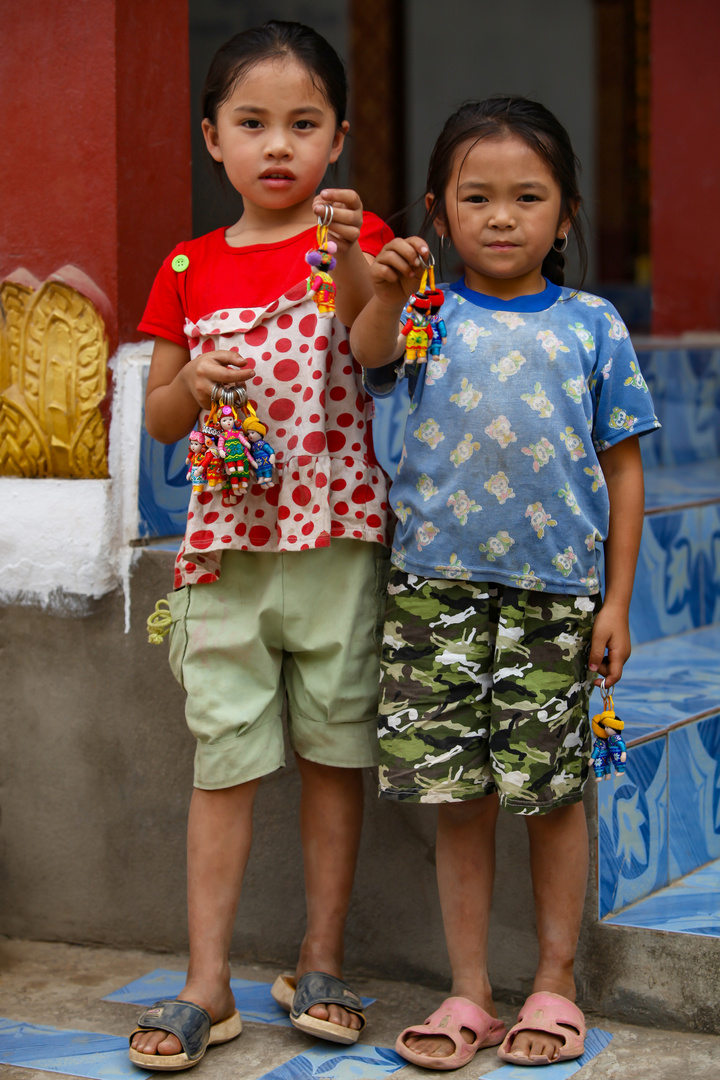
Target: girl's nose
[
  {"x": 278, "y": 144},
  {"x": 502, "y": 217}
]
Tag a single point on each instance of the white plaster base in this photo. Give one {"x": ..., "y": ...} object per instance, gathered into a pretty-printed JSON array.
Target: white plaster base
[
  {"x": 62, "y": 539},
  {"x": 64, "y": 543}
]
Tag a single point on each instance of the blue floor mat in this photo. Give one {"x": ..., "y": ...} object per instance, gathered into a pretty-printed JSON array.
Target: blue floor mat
[
  {"x": 79, "y": 1053},
  {"x": 347, "y": 1063},
  {"x": 253, "y": 999},
  {"x": 595, "y": 1041}
]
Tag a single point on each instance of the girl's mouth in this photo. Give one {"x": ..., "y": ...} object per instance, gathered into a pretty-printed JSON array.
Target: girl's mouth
[{"x": 276, "y": 178}]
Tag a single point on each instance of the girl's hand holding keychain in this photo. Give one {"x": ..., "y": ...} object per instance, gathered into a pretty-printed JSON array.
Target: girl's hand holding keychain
[
  {"x": 609, "y": 748},
  {"x": 322, "y": 261},
  {"x": 422, "y": 323}
]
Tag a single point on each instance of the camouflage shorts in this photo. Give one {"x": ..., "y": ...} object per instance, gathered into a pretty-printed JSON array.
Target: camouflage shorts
[{"x": 484, "y": 688}]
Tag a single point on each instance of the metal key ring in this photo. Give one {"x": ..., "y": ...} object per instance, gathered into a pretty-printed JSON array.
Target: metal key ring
[
  {"x": 229, "y": 395},
  {"x": 427, "y": 265},
  {"x": 327, "y": 217}
]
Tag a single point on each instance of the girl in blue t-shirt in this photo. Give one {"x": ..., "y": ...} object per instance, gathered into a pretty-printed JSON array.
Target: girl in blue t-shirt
[{"x": 520, "y": 461}]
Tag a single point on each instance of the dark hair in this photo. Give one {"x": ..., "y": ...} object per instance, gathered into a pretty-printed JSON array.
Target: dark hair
[
  {"x": 275, "y": 40},
  {"x": 535, "y": 125}
]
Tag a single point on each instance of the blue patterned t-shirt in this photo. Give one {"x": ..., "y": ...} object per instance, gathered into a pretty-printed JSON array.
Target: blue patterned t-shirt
[{"x": 499, "y": 478}]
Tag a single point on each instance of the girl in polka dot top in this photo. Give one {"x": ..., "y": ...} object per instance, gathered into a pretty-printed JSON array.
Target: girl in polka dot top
[{"x": 278, "y": 598}]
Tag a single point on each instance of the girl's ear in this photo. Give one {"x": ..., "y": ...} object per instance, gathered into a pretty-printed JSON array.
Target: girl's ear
[
  {"x": 439, "y": 223},
  {"x": 566, "y": 224},
  {"x": 338, "y": 141},
  {"x": 211, "y": 139}
]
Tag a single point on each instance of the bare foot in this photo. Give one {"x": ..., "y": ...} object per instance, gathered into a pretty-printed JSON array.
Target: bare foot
[
  {"x": 535, "y": 1044},
  {"x": 439, "y": 1046},
  {"x": 336, "y": 1015},
  {"x": 219, "y": 1002}
]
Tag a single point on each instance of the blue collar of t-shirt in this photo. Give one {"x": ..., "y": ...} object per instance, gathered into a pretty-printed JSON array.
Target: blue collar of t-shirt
[{"x": 536, "y": 302}]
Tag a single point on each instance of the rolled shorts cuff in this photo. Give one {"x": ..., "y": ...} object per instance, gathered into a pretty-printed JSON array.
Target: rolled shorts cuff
[
  {"x": 528, "y": 809},
  {"x": 349, "y": 745},
  {"x": 239, "y": 759}
]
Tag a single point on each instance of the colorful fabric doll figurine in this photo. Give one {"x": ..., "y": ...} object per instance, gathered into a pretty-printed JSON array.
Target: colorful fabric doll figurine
[
  {"x": 609, "y": 747},
  {"x": 196, "y": 461},
  {"x": 437, "y": 326},
  {"x": 262, "y": 451},
  {"x": 416, "y": 329},
  {"x": 320, "y": 284},
  {"x": 234, "y": 449}
]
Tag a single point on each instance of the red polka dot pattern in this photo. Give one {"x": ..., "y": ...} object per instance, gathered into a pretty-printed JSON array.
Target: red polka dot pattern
[{"x": 313, "y": 402}]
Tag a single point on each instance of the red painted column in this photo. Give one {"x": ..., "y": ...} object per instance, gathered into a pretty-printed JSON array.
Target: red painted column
[
  {"x": 685, "y": 231},
  {"x": 95, "y": 137}
]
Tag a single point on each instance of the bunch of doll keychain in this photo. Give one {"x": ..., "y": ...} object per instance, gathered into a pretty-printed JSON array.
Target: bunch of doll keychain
[
  {"x": 422, "y": 326},
  {"x": 230, "y": 444},
  {"x": 609, "y": 748}
]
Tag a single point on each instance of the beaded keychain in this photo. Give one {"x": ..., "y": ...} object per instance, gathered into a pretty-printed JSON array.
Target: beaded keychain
[
  {"x": 424, "y": 329},
  {"x": 609, "y": 746},
  {"x": 321, "y": 258}
]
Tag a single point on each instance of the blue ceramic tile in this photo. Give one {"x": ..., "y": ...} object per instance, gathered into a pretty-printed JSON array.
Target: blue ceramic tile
[
  {"x": 253, "y": 999},
  {"x": 163, "y": 490},
  {"x": 694, "y": 795},
  {"x": 672, "y": 910},
  {"x": 706, "y": 878},
  {"x": 710, "y": 555},
  {"x": 685, "y": 387},
  {"x": 595, "y": 1041},
  {"x": 76, "y": 1053},
  {"x": 666, "y": 596},
  {"x": 668, "y": 681},
  {"x": 675, "y": 486},
  {"x": 358, "y": 1062},
  {"x": 632, "y": 829}
]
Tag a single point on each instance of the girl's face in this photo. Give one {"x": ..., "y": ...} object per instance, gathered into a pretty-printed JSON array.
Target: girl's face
[
  {"x": 275, "y": 135},
  {"x": 502, "y": 214}
]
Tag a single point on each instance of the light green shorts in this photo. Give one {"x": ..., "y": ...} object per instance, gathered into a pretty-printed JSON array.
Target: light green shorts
[{"x": 305, "y": 627}]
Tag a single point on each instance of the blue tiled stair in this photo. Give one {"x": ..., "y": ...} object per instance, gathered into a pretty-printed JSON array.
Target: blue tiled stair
[{"x": 659, "y": 824}]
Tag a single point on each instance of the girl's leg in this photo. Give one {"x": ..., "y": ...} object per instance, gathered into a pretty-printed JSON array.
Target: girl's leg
[
  {"x": 559, "y": 867},
  {"x": 465, "y": 870},
  {"x": 331, "y": 811},
  {"x": 219, "y": 838}
]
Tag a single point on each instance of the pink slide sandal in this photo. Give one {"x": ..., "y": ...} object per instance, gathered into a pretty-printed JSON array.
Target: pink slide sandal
[
  {"x": 554, "y": 1015},
  {"x": 454, "y": 1013}
]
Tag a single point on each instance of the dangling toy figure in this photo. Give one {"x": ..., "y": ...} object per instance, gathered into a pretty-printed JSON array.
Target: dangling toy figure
[
  {"x": 262, "y": 452},
  {"x": 437, "y": 325},
  {"x": 609, "y": 746},
  {"x": 424, "y": 329},
  {"x": 234, "y": 449},
  {"x": 320, "y": 284},
  {"x": 196, "y": 461}
]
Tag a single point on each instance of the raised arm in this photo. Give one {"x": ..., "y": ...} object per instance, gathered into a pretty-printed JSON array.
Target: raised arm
[
  {"x": 178, "y": 387},
  {"x": 395, "y": 274},
  {"x": 622, "y": 469}
]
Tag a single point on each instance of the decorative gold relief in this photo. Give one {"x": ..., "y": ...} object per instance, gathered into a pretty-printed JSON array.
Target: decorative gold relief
[{"x": 53, "y": 377}]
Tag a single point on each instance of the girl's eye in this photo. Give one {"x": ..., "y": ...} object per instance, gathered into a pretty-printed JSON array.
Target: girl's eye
[
  {"x": 528, "y": 198},
  {"x": 304, "y": 125},
  {"x": 476, "y": 199},
  {"x": 251, "y": 123}
]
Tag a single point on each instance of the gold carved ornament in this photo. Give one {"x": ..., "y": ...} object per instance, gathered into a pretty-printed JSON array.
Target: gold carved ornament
[{"x": 53, "y": 377}]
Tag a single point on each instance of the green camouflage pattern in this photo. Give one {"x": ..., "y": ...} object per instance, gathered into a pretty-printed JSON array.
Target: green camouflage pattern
[{"x": 484, "y": 688}]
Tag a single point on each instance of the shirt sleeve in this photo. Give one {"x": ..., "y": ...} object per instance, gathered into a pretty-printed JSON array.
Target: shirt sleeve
[
  {"x": 375, "y": 234},
  {"x": 164, "y": 312},
  {"x": 623, "y": 405}
]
